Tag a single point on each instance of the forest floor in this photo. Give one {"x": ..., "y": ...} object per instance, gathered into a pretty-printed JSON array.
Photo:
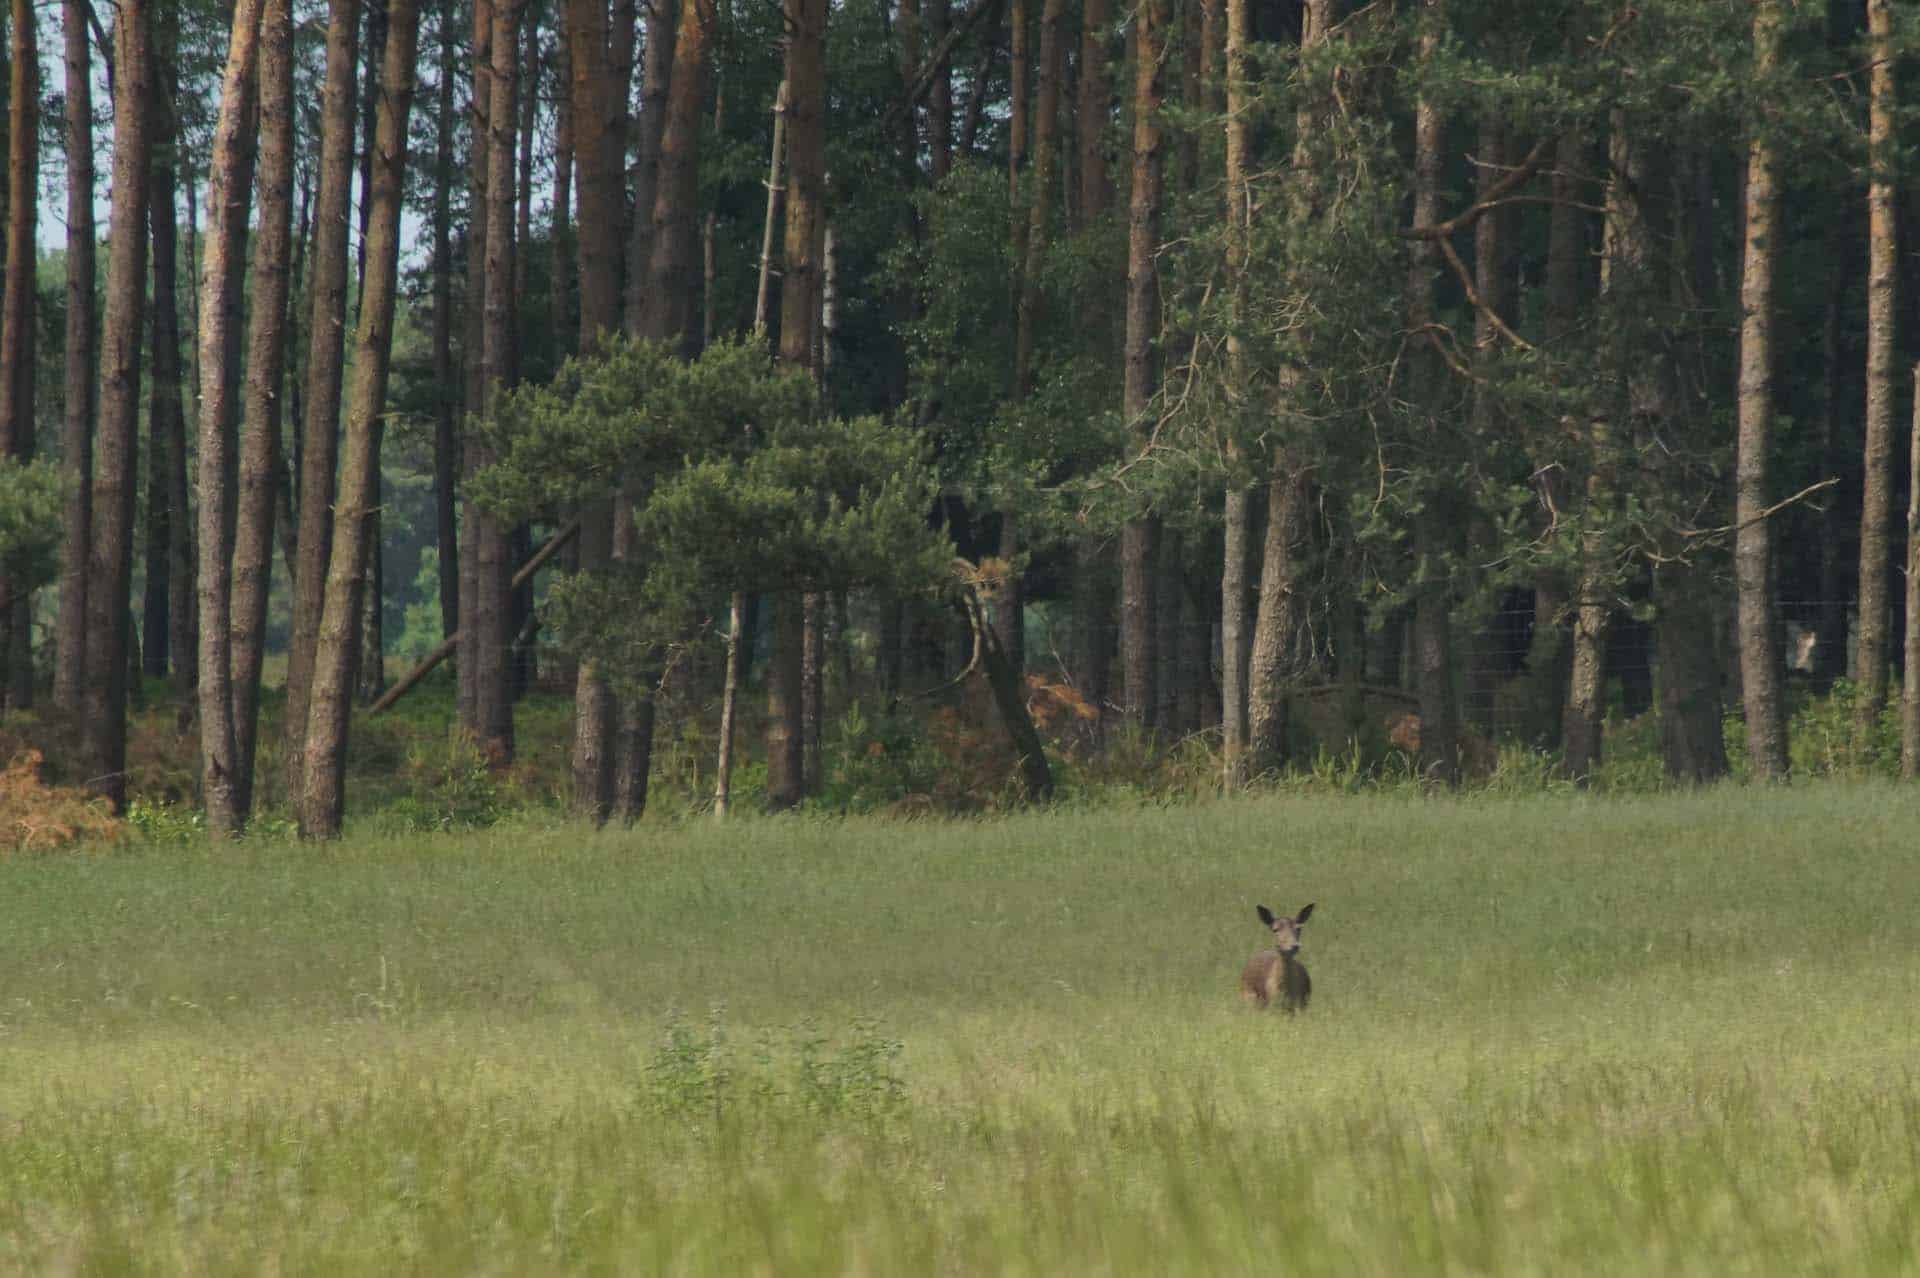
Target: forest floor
[{"x": 1666, "y": 1033}]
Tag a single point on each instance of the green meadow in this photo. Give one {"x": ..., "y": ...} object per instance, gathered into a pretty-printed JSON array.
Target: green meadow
[{"x": 1550, "y": 1034}]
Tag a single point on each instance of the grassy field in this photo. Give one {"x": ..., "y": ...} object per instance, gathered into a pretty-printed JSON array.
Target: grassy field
[{"x": 1669, "y": 1035}]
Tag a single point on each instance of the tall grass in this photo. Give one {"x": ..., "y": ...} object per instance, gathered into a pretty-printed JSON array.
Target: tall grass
[{"x": 1550, "y": 1034}]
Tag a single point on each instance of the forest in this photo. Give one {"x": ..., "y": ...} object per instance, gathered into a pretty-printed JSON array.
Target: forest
[{"x": 952, "y": 400}]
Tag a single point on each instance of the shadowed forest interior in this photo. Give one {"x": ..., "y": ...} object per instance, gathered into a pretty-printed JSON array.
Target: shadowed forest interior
[{"x": 949, "y": 403}]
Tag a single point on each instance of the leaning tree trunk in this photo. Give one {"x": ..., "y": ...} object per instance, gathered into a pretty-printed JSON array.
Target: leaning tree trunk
[
  {"x": 16, "y": 323},
  {"x": 1761, "y": 674},
  {"x": 322, "y": 797},
  {"x": 103, "y": 700},
  {"x": 1139, "y": 538},
  {"x": 321, "y": 432},
  {"x": 266, "y": 356},
  {"x": 227, "y": 203},
  {"x": 1876, "y": 512},
  {"x": 69, "y": 674}
]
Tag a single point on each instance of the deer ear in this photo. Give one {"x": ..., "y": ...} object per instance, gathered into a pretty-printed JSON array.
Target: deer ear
[
  {"x": 1266, "y": 915},
  {"x": 1303, "y": 915}
]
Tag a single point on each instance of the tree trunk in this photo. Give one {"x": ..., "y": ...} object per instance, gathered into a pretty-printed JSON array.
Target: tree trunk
[
  {"x": 1273, "y": 662},
  {"x": 1550, "y": 648},
  {"x": 227, "y": 204},
  {"x": 321, "y": 431},
  {"x": 1094, "y": 110},
  {"x": 1761, "y": 671},
  {"x": 1238, "y": 517},
  {"x": 785, "y": 764},
  {"x": 940, "y": 94},
  {"x": 1910, "y": 686},
  {"x": 657, "y": 68},
  {"x": 322, "y": 794},
  {"x": 529, "y": 101},
  {"x": 799, "y": 308},
  {"x": 739, "y": 656},
  {"x": 595, "y": 709},
  {"x": 446, "y": 395},
  {"x": 103, "y": 701},
  {"x": 1876, "y": 513},
  {"x": 70, "y": 635},
  {"x": 485, "y": 629},
  {"x": 813, "y": 662},
  {"x": 17, "y": 321},
  {"x": 560, "y": 233},
  {"x": 166, "y": 428},
  {"x": 1432, "y": 608},
  {"x": 266, "y": 352},
  {"x": 1138, "y": 541},
  {"x": 183, "y": 594},
  {"x": 1033, "y": 225}
]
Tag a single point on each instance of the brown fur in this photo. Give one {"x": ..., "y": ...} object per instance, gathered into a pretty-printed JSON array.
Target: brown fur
[{"x": 1277, "y": 973}]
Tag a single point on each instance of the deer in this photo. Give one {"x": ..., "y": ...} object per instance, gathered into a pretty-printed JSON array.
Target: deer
[{"x": 1276, "y": 973}]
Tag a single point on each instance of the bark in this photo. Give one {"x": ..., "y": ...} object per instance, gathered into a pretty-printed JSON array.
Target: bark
[
  {"x": 77, "y": 430},
  {"x": 166, "y": 426},
  {"x": 1143, "y": 323},
  {"x": 784, "y": 739},
  {"x": 1094, "y": 110},
  {"x": 813, "y": 644},
  {"x": 560, "y": 232},
  {"x": 473, "y": 397},
  {"x": 739, "y": 655},
  {"x": 601, "y": 190},
  {"x": 1761, "y": 669},
  {"x": 657, "y": 68},
  {"x": 1033, "y": 224},
  {"x": 486, "y": 623},
  {"x": 1876, "y": 513},
  {"x": 763, "y": 298},
  {"x": 103, "y": 700},
  {"x": 446, "y": 446},
  {"x": 1830, "y": 649},
  {"x": 940, "y": 93},
  {"x": 1910, "y": 687},
  {"x": 227, "y": 203},
  {"x": 1584, "y": 713},
  {"x": 322, "y": 795},
  {"x": 321, "y": 431},
  {"x": 523, "y": 187},
  {"x": 667, "y": 313},
  {"x": 17, "y": 321},
  {"x": 1432, "y": 620},
  {"x": 1238, "y": 517},
  {"x": 266, "y": 353},
  {"x": 1486, "y": 666},
  {"x": 183, "y": 596},
  {"x": 1273, "y": 663},
  {"x": 372, "y": 44},
  {"x": 371, "y": 656},
  {"x": 799, "y": 309}
]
